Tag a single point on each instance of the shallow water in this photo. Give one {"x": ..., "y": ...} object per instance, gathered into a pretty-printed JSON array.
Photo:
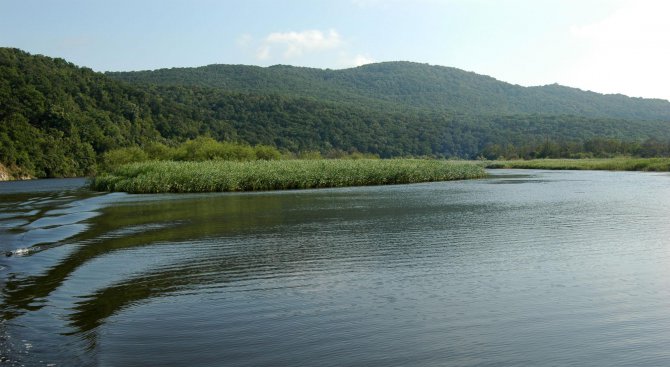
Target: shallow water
[{"x": 525, "y": 268}]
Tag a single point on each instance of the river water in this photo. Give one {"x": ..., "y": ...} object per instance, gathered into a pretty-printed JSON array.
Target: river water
[{"x": 523, "y": 268}]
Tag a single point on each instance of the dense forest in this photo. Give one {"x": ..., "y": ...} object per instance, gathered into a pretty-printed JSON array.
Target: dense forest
[
  {"x": 58, "y": 119},
  {"x": 405, "y": 85}
]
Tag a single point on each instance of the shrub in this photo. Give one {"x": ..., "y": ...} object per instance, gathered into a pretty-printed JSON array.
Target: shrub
[
  {"x": 266, "y": 152},
  {"x": 118, "y": 157},
  {"x": 159, "y": 151}
]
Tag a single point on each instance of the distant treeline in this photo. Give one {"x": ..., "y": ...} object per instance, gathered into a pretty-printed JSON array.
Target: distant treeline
[
  {"x": 592, "y": 148},
  {"x": 402, "y": 86}
]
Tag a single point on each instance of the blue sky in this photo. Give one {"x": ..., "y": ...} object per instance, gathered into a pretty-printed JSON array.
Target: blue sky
[{"x": 608, "y": 46}]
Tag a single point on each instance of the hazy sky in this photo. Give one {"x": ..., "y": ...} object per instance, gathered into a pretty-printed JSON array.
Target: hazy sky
[{"x": 608, "y": 46}]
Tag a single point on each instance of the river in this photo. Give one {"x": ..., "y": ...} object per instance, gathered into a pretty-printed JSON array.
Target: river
[{"x": 523, "y": 268}]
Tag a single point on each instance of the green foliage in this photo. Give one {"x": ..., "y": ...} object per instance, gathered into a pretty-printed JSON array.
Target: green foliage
[
  {"x": 158, "y": 151},
  {"x": 591, "y": 148},
  {"x": 199, "y": 149},
  {"x": 310, "y": 155},
  {"x": 401, "y": 86},
  {"x": 55, "y": 118},
  {"x": 121, "y": 156},
  {"x": 266, "y": 152},
  {"x": 204, "y": 148},
  {"x": 213, "y": 176},
  {"x": 359, "y": 155}
]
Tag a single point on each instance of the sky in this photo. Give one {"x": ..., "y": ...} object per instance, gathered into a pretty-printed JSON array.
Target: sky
[{"x": 607, "y": 46}]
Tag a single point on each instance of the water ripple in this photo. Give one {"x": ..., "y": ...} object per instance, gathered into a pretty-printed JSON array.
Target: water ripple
[{"x": 548, "y": 269}]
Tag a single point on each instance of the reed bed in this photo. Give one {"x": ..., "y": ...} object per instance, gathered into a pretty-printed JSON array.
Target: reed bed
[
  {"x": 218, "y": 176},
  {"x": 607, "y": 164}
]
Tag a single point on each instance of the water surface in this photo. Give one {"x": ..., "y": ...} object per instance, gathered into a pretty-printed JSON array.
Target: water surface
[{"x": 538, "y": 268}]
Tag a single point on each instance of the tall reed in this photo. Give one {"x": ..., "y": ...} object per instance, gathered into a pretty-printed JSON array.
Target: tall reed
[{"x": 214, "y": 176}]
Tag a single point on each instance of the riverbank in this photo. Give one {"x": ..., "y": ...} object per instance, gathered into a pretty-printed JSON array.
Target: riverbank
[
  {"x": 7, "y": 174},
  {"x": 606, "y": 164},
  {"x": 219, "y": 176}
]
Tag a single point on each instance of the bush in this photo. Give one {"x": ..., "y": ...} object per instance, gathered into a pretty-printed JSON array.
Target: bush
[
  {"x": 118, "y": 157},
  {"x": 205, "y": 149},
  {"x": 310, "y": 155},
  {"x": 266, "y": 152},
  {"x": 159, "y": 151}
]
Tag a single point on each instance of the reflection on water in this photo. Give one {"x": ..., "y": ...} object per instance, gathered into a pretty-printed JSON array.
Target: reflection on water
[{"x": 541, "y": 268}]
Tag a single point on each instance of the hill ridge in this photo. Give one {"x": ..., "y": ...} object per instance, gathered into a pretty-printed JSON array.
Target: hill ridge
[{"x": 407, "y": 85}]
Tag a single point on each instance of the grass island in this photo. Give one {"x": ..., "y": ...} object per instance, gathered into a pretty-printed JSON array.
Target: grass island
[{"x": 263, "y": 175}]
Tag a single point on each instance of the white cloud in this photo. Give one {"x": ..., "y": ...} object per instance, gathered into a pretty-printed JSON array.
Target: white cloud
[
  {"x": 313, "y": 48},
  {"x": 295, "y": 44},
  {"x": 626, "y": 52},
  {"x": 361, "y": 60},
  {"x": 346, "y": 60}
]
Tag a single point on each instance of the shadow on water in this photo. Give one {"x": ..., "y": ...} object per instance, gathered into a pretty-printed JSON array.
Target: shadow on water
[
  {"x": 218, "y": 241},
  {"x": 131, "y": 225},
  {"x": 124, "y": 223},
  {"x": 237, "y": 230}
]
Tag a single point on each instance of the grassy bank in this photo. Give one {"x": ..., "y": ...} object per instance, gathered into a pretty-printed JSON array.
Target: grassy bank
[
  {"x": 215, "y": 176},
  {"x": 608, "y": 164}
]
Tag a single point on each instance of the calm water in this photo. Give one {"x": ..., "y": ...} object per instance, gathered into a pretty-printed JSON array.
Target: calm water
[{"x": 544, "y": 268}]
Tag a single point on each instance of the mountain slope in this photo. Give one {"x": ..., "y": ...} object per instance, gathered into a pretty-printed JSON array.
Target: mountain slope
[
  {"x": 55, "y": 117},
  {"x": 405, "y": 85}
]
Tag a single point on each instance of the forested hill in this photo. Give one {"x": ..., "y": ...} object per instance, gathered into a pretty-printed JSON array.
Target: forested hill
[
  {"x": 58, "y": 119},
  {"x": 403, "y": 85}
]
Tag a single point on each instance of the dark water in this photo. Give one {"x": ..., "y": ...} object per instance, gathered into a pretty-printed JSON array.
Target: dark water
[{"x": 545, "y": 268}]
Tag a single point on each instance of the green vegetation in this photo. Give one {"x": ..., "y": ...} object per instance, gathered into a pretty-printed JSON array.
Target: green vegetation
[
  {"x": 612, "y": 164},
  {"x": 200, "y": 149},
  {"x": 591, "y": 148},
  {"x": 59, "y": 120},
  {"x": 399, "y": 86},
  {"x": 215, "y": 176},
  {"x": 56, "y": 118}
]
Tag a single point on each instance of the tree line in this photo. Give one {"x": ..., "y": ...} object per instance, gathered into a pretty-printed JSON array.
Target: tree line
[{"x": 591, "y": 148}]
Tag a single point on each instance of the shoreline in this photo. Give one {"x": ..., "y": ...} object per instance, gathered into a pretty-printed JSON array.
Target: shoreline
[
  {"x": 593, "y": 164},
  {"x": 596, "y": 164},
  {"x": 7, "y": 174}
]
